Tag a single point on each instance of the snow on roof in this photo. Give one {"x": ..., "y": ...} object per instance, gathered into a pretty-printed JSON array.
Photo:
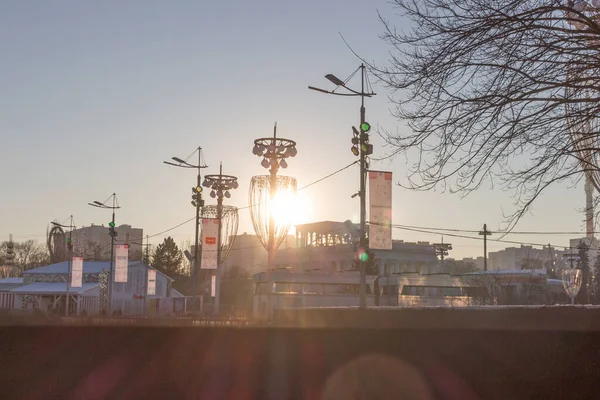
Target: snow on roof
[
  {"x": 7, "y": 284},
  {"x": 11, "y": 280},
  {"x": 89, "y": 267},
  {"x": 53, "y": 288}
]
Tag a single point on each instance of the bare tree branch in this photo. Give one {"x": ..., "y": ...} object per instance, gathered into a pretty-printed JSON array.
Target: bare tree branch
[{"x": 495, "y": 91}]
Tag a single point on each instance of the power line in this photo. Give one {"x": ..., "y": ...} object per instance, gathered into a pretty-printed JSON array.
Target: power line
[
  {"x": 315, "y": 182},
  {"x": 503, "y": 232},
  {"x": 473, "y": 237},
  {"x": 242, "y": 208}
]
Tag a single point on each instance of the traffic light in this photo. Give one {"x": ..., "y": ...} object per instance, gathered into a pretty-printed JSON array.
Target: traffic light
[
  {"x": 365, "y": 127},
  {"x": 363, "y": 254},
  {"x": 197, "y": 197},
  {"x": 69, "y": 244},
  {"x": 366, "y": 148},
  {"x": 355, "y": 142},
  {"x": 111, "y": 230}
]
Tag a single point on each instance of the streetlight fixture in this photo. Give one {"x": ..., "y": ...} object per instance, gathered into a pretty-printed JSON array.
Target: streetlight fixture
[
  {"x": 198, "y": 203},
  {"x": 220, "y": 186},
  {"x": 360, "y": 148},
  {"x": 71, "y": 226},
  {"x": 113, "y": 235}
]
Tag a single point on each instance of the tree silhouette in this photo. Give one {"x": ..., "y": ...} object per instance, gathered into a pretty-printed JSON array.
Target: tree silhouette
[
  {"x": 492, "y": 91},
  {"x": 167, "y": 258}
]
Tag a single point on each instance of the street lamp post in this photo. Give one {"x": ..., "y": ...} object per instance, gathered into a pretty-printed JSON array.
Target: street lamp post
[
  {"x": 113, "y": 235},
  {"x": 70, "y": 260},
  {"x": 362, "y": 150},
  {"x": 198, "y": 203},
  {"x": 220, "y": 186}
]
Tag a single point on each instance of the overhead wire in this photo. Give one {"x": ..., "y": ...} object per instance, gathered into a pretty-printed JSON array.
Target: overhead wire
[
  {"x": 473, "y": 237},
  {"x": 245, "y": 207},
  {"x": 498, "y": 231}
]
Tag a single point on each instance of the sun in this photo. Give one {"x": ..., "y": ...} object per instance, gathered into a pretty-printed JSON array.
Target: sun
[{"x": 290, "y": 208}]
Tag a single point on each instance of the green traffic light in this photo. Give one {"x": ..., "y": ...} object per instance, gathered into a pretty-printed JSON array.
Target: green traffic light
[
  {"x": 365, "y": 127},
  {"x": 363, "y": 255},
  {"x": 111, "y": 224}
]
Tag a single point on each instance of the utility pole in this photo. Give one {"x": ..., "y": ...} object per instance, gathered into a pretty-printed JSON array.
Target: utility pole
[
  {"x": 198, "y": 203},
  {"x": 146, "y": 275},
  {"x": 485, "y": 233},
  {"x": 71, "y": 226},
  {"x": 441, "y": 249},
  {"x": 363, "y": 150},
  {"x": 113, "y": 235}
]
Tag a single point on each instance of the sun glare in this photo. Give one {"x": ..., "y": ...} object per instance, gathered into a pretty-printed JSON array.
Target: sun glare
[{"x": 290, "y": 208}]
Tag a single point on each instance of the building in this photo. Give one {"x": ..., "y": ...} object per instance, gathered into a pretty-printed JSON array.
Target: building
[
  {"x": 329, "y": 246},
  {"x": 46, "y": 288},
  {"x": 525, "y": 257},
  {"x": 286, "y": 289},
  {"x": 248, "y": 256},
  {"x": 7, "y": 298},
  {"x": 479, "y": 262},
  {"x": 93, "y": 242}
]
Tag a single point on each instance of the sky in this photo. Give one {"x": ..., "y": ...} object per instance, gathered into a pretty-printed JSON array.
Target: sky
[{"x": 95, "y": 95}]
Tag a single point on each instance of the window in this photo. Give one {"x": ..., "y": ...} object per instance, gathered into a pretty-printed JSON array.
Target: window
[
  {"x": 290, "y": 288},
  {"x": 340, "y": 289},
  {"x": 313, "y": 288},
  {"x": 408, "y": 290}
]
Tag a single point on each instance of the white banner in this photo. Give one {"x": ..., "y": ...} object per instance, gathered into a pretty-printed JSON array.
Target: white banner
[
  {"x": 213, "y": 285},
  {"x": 121, "y": 261},
  {"x": 380, "y": 212},
  {"x": 77, "y": 272},
  {"x": 210, "y": 230},
  {"x": 151, "y": 282}
]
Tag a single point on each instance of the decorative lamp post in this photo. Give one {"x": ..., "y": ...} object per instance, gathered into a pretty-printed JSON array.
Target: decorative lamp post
[
  {"x": 274, "y": 152},
  {"x": 220, "y": 186},
  {"x": 113, "y": 235},
  {"x": 571, "y": 277},
  {"x": 197, "y": 203}
]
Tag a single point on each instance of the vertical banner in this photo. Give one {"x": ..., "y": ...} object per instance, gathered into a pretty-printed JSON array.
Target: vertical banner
[
  {"x": 380, "y": 210},
  {"x": 213, "y": 285},
  {"x": 121, "y": 261},
  {"x": 151, "y": 285},
  {"x": 77, "y": 272},
  {"x": 210, "y": 230}
]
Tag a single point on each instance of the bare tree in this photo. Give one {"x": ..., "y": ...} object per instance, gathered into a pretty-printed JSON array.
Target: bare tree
[
  {"x": 27, "y": 255},
  {"x": 493, "y": 91}
]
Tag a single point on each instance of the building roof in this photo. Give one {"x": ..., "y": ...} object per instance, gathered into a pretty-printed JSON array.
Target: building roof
[
  {"x": 11, "y": 280},
  {"x": 89, "y": 267},
  {"x": 53, "y": 288},
  {"x": 7, "y": 284}
]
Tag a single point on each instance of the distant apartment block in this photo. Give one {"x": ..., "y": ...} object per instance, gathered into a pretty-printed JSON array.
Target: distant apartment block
[
  {"x": 525, "y": 257},
  {"x": 93, "y": 242}
]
